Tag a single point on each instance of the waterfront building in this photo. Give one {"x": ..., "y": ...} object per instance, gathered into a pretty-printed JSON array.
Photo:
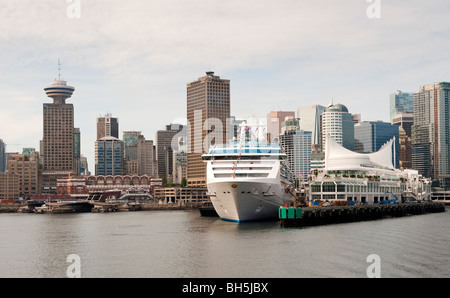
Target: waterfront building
[
  {"x": 431, "y": 132},
  {"x": 109, "y": 152},
  {"x": 337, "y": 122},
  {"x": 122, "y": 183},
  {"x": 208, "y": 105},
  {"x": 107, "y": 126},
  {"x": 9, "y": 186},
  {"x": 370, "y": 136},
  {"x": 274, "y": 120},
  {"x": 400, "y": 102},
  {"x": 185, "y": 196},
  {"x": 58, "y": 135},
  {"x": 366, "y": 178},
  {"x": 26, "y": 166},
  {"x": 75, "y": 186},
  {"x": 165, "y": 151}
]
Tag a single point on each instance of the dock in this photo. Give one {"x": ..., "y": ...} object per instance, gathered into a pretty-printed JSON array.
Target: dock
[{"x": 310, "y": 216}]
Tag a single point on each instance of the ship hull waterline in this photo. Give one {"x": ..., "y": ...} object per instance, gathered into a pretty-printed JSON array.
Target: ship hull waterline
[{"x": 240, "y": 201}]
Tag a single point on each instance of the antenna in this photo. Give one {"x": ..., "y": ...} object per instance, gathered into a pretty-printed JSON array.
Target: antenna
[{"x": 59, "y": 70}]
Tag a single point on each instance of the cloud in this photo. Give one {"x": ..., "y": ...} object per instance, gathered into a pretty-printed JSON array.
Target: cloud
[{"x": 134, "y": 58}]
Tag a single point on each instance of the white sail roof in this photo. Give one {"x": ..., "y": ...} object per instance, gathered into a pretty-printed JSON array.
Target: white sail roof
[{"x": 339, "y": 158}]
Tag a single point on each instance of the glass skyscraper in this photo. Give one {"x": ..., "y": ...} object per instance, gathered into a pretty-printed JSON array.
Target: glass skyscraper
[
  {"x": 2, "y": 156},
  {"x": 371, "y": 135},
  {"x": 310, "y": 121},
  {"x": 400, "y": 102},
  {"x": 109, "y": 156}
]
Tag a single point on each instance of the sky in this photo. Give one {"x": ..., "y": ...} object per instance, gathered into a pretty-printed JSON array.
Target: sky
[{"x": 133, "y": 59}]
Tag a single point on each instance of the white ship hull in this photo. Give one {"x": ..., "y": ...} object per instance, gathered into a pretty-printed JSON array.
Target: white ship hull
[
  {"x": 248, "y": 180},
  {"x": 241, "y": 201}
]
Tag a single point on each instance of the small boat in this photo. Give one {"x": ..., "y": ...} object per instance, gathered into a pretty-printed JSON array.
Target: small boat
[{"x": 42, "y": 209}]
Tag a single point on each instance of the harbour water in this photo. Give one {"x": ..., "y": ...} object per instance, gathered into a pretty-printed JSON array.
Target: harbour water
[{"x": 182, "y": 244}]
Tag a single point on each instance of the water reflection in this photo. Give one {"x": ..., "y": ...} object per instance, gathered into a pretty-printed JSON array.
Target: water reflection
[{"x": 184, "y": 244}]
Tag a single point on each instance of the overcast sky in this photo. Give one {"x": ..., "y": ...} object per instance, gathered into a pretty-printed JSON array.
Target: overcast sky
[{"x": 133, "y": 59}]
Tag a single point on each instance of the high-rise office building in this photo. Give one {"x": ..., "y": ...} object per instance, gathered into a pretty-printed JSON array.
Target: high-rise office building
[
  {"x": 370, "y": 136},
  {"x": 310, "y": 121},
  {"x": 405, "y": 122},
  {"x": 58, "y": 138},
  {"x": 9, "y": 186},
  {"x": 405, "y": 149},
  {"x": 26, "y": 166},
  {"x": 109, "y": 152},
  {"x": 147, "y": 163},
  {"x": 274, "y": 120},
  {"x": 84, "y": 167},
  {"x": 356, "y": 118},
  {"x": 400, "y": 102},
  {"x": 431, "y": 132},
  {"x": 107, "y": 126},
  {"x": 139, "y": 155},
  {"x": 337, "y": 122},
  {"x": 164, "y": 150},
  {"x": 297, "y": 146},
  {"x": 76, "y": 151},
  {"x": 208, "y": 105},
  {"x": 2, "y": 156},
  {"x": 131, "y": 162},
  {"x": 179, "y": 159}
]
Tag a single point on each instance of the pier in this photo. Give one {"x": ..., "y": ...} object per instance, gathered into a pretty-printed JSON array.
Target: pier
[{"x": 310, "y": 216}]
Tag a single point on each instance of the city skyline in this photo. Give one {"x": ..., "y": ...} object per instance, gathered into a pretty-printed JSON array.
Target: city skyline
[{"x": 284, "y": 56}]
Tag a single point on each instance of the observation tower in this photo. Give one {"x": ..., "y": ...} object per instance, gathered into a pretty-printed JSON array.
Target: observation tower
[{"x": 59, "y": 90}]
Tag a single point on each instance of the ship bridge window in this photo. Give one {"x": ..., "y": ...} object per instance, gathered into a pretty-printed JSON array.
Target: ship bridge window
[
  {"x": 245, "y": 157},
  {"x": 242, "y": 175},
  {"x": 242, "y": 168},
  {"x": 251, "y": 175}
]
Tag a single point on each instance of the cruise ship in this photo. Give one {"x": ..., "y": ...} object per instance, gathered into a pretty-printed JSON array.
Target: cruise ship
[
  {"x": 248, "y": 181},
  {"x": 356, "y": 178}
]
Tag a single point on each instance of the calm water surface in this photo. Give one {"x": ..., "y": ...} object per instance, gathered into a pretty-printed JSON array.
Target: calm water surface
[{"x": 184, "y": 244}]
